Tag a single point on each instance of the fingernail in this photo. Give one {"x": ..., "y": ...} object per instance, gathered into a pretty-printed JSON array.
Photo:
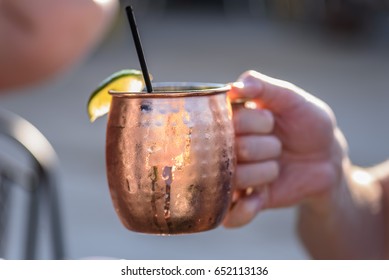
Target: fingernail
[
  {"x": 259, "y": 205},
  {"x": 254, "y": 204},
  {"x": 262, "y": 198},
  {"x": 267, "y": 113},
  {"x": 238, "y": 85}
]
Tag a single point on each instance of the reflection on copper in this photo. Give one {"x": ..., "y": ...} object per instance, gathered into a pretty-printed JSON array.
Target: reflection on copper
[{"x": 170, "y": 158}]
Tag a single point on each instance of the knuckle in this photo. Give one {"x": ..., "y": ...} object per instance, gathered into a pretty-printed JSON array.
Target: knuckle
[
  {"x": 253, "y": 121},
  {"x": 252, "y": 175},
  {"x": 274, "y": 146},
  {"x": 267, "y": 120},
  {"x": 275, "y": 169},
  {"x": 256, "y": 148}
]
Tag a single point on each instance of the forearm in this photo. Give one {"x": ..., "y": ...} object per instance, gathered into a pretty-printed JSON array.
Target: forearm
[{"x": 349, "y": 221}]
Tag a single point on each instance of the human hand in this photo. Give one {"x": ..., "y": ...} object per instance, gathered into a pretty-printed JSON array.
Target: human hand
[{"x": 289, "y": 149}]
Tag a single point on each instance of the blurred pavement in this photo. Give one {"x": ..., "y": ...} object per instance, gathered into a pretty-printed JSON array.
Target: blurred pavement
[{"x": 350, "y": 74}]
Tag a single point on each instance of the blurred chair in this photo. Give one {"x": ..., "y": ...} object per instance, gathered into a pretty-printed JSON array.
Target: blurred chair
[{"x": 39, "y": 212}]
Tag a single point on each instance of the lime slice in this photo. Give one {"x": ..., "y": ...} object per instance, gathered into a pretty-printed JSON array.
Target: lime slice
[{"x": 124, "y": 80}]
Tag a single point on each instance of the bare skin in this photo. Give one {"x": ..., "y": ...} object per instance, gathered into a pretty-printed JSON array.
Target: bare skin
[
  {"x": 40, "y": 39},
  {"x": 291, "y": 152}
]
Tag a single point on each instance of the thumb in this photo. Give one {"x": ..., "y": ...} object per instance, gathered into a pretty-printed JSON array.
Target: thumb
[{"x": 276, "y": 95}]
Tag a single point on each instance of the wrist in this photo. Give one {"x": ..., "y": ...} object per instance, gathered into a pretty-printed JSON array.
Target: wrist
[
  {"x": 337, "y": 184},
  {"x": 358, "y": 187}
]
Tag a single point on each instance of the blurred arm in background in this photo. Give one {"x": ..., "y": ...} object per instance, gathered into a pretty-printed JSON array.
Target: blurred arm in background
[
  {"x": 291, "y": 152},
  {"x": 40, "y": 38}
]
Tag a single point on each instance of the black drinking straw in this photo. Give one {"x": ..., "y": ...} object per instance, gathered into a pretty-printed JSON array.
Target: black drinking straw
[{"x": 138, "y": 46}]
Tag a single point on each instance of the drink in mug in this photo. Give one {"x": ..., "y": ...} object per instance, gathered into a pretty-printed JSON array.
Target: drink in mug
[{"x": 170, "y": 157}]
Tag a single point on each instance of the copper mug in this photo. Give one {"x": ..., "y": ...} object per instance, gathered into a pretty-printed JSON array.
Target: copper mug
[{"x": 170, "y": 157}]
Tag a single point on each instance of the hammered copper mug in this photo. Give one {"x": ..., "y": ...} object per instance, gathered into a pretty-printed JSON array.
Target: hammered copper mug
[{"x": 170, "y": 157}]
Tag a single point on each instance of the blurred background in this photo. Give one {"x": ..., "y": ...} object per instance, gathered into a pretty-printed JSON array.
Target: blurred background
[{"x": 335, "y": 49}]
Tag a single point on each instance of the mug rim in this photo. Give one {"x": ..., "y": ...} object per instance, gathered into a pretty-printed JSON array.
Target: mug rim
[{"x": 183, "y": 89}]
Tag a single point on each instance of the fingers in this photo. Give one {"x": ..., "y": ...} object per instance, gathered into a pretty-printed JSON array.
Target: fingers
[
  {"x": 253, "y": 121},
  {"x": 257, "y": 149},
  {"x": 245, "y": 209},
  {"x": 255, "y": 175},
  {"x": 253, "y": 148},
  {"x": 274, "y": 94}
]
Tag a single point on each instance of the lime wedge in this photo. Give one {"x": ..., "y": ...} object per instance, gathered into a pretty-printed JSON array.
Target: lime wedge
[{"x": 124, "y": 80}]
